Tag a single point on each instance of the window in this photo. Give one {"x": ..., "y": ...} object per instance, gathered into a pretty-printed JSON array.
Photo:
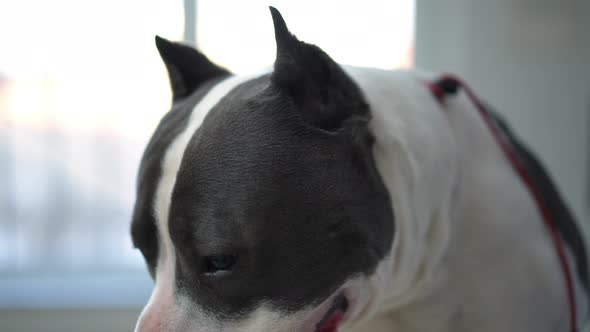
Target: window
[
  {"x": 82, "y": 88},
  {"x": 374, "y": 33}
]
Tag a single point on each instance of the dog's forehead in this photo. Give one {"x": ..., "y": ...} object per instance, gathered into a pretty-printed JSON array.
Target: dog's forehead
[
  {"x": 254, "y": 167},
  {"x": 254, "y": 143}
]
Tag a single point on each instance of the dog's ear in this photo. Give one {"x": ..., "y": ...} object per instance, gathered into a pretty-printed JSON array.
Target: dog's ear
[
  {"x": 187, "y": 67},
  {"x": 323, "y": 93}
]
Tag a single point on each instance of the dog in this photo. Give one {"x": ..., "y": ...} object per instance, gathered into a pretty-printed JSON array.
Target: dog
[{"x": 316, "y": 197}]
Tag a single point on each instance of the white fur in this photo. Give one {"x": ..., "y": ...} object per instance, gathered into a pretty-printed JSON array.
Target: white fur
[
  {"x": 413, "y": 147},
  {"x": 471, "y": 252}
]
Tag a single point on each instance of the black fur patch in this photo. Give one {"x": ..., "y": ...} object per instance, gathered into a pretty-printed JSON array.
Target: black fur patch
[
  {"x": 187, "y": 67},
  {"x": 302, "y": 209},
  {"x": 317, "y": 85},
  {"x": 551, "y": 198}
]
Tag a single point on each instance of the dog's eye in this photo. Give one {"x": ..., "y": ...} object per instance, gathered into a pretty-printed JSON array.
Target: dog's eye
[{"x": 218, "y": 263}]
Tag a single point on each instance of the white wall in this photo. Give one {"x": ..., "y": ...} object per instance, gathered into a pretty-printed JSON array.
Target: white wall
[{"x": 531, "y": 60}]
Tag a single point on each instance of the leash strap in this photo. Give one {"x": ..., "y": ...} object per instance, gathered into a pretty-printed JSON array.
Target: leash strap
[{"x": 448, "y": 85}]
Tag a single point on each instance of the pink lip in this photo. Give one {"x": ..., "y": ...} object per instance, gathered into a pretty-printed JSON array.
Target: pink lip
[
  {"x": 332, "y": 324},
  {"x": 335, "y": 314}
]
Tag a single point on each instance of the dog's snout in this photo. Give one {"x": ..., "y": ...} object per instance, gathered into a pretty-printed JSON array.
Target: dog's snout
[
  {"x": 153, "y": 319},
  {"x": 149, "y": 324},
  {"x": 160, "y": 314}
]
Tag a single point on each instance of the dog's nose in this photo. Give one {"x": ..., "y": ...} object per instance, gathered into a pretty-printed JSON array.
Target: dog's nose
[
  {"x": 158, "y": 315},
  {"x": 163, "y": 321},
  {"x": 148, "y": 325},
  {"x": 152, "y": 320}
]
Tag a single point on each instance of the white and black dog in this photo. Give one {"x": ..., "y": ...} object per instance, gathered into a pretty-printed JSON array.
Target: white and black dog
[{"x": 318, "y": 198}]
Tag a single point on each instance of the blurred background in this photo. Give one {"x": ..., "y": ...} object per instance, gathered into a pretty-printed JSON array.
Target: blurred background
[{"x": 82, "y": 88}]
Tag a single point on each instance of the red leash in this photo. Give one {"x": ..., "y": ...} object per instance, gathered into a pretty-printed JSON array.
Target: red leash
[{"x": 448, "y": 84}]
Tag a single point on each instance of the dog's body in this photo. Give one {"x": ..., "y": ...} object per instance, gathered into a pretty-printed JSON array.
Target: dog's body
[
  {"x": 283, "y": 201},
  {"x": 478, "y": 255}
]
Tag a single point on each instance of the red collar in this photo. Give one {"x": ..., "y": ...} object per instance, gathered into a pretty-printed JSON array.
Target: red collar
[{"x": 448, "y": 85}]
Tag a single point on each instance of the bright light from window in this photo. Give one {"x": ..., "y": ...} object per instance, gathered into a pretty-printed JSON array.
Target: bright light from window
[
  {"x": 81, "y": 89},
  {"x": 239, "y": 34}
]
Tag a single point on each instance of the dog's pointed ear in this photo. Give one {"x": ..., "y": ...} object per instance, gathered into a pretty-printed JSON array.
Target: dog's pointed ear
[
  {"x": 187, "y": 67},
  {"x": 323, "y": 93},
  {"x": 285, "y": 41}
]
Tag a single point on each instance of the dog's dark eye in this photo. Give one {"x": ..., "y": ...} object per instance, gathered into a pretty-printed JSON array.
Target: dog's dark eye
[{"x": 218, "y": 263}]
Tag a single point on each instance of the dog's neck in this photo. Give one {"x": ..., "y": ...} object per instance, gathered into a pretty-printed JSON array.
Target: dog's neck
[{"x": 416, "y": 156}]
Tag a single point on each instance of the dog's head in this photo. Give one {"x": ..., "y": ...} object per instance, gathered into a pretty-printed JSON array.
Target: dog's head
[{"x": 259, "y": 205}]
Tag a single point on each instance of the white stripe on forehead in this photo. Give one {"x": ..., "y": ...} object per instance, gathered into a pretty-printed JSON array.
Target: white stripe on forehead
[
  {"x": 173, "y": 158},
  {"x": 162, "y": 298}
]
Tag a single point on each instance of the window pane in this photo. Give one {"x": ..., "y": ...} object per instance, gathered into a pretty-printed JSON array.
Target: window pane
[
  {"x": 81, "y": 89},
  {"x": 374, "y": 33}
]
